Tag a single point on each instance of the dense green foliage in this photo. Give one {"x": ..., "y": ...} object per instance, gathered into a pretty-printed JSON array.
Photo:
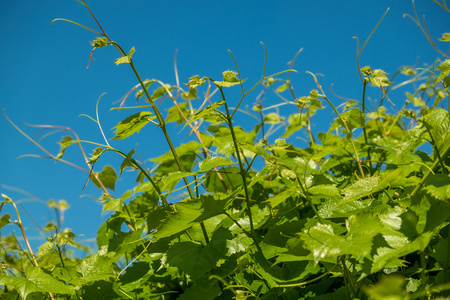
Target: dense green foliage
[{"x": 360, "y": 211}]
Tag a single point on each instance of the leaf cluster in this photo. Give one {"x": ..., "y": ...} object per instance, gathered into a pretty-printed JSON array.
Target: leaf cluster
[{"x": 359, "y": 211}]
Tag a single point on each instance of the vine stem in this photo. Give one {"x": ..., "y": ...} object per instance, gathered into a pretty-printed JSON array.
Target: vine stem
[
  {"x": 241, "y": 165},
  {"x": 349, "y": 133},
  {"x": 161, "y": 121},
  {"x": 19, "y": 223}
]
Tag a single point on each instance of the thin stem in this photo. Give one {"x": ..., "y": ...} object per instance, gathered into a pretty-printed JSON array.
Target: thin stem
[
  {"x": 364, "y": 121},
  {"x": 309, "y": 281},
  {"x": 359, "y": 51},
  {"x": 241, "y": 165},
  {"x": 430, "y": 171},
  {"x": 349, "y": 133}
]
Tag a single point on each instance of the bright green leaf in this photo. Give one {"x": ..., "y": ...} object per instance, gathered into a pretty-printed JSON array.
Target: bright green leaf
[
  {"x": 445, "y": 37},
  {"x": 125, "y": 59},
  {"x": 211, "y": 162},
  {"x": 108, "y": 178},
  {"x": 132, "y": 124},
  {"x": 195, "y": 81}
]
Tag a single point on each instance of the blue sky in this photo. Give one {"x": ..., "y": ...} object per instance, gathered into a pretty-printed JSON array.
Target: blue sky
[{"x": 44, "y": 79}]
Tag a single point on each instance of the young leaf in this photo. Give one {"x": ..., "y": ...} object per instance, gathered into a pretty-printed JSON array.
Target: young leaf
[
  {"x": 65, "y": 142},
  {"x": 444, "y": 67},
  {"x": 125, "y": 59},
  {"x": 205, "y": 112},
  {"x": 4, "y": 220},
  {"x": 195, "y": 81},
  {"x": 132, "y": 124},
  {"x": 99, "y": 42},
  {"x": 229, "y": 79},
  {"x": 377, "y": 77},
  {"x": 445, "y": 37},
  {"x": 126, "y": 162},
  {"x": 107, "y": 176}
]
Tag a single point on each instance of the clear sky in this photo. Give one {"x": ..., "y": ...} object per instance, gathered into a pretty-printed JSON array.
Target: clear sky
[{"x": 44, "y": 79}]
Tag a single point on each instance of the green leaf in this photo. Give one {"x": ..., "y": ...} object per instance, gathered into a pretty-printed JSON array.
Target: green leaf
[
  {"x": 125, "y": 59},
  {"x": 170, "y": 180},
  {"x": 99, "y": 42},
  {"x": 195, "y": 259},
  {"x": 377, "y": 77},
  {"x": 361, "y": 188},
  {"x": 107, "y": 176},
  {"x": 229, "y": 79},
  {"x": 438, "y": 186},
  {"x": 180, "y": 219},
  {"x": 95, "y": 267},
  {"x": 4, "y": 220},
  {"x": 187, "y": 154},
  {"x": 207, "y": 289},
  {"x": 230, "y": 180},
  {"x": 126, "y": 162},
  {"x": 204, "y": 112},
  {"x": 444, "y": 67},
  {"x": 96, "y": 155},
  {"x": 279, "y": 198},
  {"x": 296, "y": 122},
  {"x": 241, "y": 243},
  {"x": 132, "y": 124},
  {"x": 195, "y": 81},
  {"x": 211, "y": 162},
  {"x": 161, "y": 91},
  {"x": 445, "y": 37},
  {"x": 354, "y": 119},
  {"x": 64, "y": 143},
  {"x": 438, "y": 121},
  {"x": 190, "y": 95},
  {"x": 273, "y": 118},
  {"x": 176, "y": 116},
  {"x": 36, "y": 281},
  {"x": 390, "y": 287},
  {"x": 417, "y": 102}
]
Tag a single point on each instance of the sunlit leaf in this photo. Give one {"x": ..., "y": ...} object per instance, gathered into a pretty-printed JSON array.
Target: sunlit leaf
[
  {"x": 229, "y": 79},
  {"x": 445, "y": 37},
  {"x": 125, "y": 59},
  {"x": 132, "y": 124},
  {"x": 211, "y": 162},
  {"x": 35, "y": 281},
  {"x": 195, "y": 81},
  {"x": 107, "y": 177}
]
